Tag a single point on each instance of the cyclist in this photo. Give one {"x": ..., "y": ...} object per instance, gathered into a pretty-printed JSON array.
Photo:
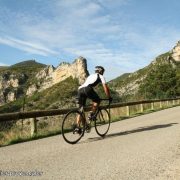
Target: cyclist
[{"x": 86, "y": 91}]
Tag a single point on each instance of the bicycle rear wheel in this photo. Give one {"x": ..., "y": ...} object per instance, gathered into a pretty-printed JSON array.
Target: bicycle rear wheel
[
  {"x": 102, "y": 122},
  {"x": 68, "y": 127}
]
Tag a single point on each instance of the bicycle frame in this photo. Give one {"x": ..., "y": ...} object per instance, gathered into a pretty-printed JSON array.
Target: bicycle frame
[
  {"x": 81, "y": 110},
  {"x": 101, "y": 123}
]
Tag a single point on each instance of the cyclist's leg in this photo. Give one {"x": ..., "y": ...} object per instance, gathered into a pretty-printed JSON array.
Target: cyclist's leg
[
  {"x": 95, "y": 105},
  {"x": 95, "y": 98},
  {"x": 82, "y": 101}
]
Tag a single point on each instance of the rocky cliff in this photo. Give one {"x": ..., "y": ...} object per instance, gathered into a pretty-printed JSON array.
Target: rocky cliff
[
  {"x": 29, "y": 77},
  {"x": 50, "y": 76},
  {"x": 176, "y": 52},
  {"x": 11, "y": 86}
]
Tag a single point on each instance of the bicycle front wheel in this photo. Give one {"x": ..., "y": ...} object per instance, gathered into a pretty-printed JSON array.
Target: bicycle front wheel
[
  {"x": 102, "y": 122},
  {"x": 69, "y": 123}
]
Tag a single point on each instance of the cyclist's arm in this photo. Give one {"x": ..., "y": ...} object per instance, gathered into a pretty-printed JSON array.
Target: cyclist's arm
[
  {"x": 105, "y": 86},
  {"x": 106, "y": 90}
]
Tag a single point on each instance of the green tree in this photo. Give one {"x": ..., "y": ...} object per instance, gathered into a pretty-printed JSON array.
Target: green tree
[{"x": 161, "y": 82}]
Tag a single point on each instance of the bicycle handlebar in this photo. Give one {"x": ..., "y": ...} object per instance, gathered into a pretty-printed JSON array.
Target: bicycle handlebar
[{"x": 104, "y": 99}]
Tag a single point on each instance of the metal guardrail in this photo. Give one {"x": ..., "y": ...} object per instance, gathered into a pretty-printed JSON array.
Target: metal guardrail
[{"x": 53, "y": 112}]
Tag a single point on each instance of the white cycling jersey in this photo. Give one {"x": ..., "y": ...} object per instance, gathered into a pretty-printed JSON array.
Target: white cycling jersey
[{"x": 93, "y": 80}]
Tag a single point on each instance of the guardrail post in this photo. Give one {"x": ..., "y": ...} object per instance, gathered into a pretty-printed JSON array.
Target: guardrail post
[
  {"x": 127, "y": 111},
  {"x": 152, "y": 106},
  {"x": 174, "y": 102},
  {"x": 33, "y": 126},
  {"x": 160, "y": 104},
  {"x": 141, "y": 108},
  {"x": 167, "y": 103}
]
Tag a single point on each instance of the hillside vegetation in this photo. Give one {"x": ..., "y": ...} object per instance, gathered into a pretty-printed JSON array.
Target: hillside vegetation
[
  {"x": 160, "y": 79},
  {"x": 27, "y": 67},
  {"x": 161, "y": 82},
  {"x": 58, "y": 96}
]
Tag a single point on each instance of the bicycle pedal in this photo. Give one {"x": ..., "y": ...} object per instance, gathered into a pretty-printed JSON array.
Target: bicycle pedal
[
  {"x": 88, "y": 128},
  {"x": 77, "y": 131},
  {"x": 94, "y": 119}
]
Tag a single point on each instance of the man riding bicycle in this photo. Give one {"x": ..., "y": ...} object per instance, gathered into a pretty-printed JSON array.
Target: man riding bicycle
[{"x": 86, "y": 90}]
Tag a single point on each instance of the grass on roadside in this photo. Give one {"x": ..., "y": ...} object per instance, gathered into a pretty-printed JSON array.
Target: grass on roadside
[{"x": 16, "y": 135}]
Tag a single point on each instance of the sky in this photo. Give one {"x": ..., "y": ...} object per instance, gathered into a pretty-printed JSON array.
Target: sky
[{"x": 121, "y": 35}]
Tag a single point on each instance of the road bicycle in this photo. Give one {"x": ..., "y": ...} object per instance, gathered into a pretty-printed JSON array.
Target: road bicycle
[{"x": 101, "y": 119}]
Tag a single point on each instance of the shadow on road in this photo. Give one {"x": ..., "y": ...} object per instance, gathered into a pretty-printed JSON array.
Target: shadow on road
[{"x": 141, "y": 129}]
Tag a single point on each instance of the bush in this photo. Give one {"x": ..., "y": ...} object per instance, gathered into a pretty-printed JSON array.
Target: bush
[{"x": 161, "y": 82}]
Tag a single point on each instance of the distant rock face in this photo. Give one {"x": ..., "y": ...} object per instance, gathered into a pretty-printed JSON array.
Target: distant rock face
[
  {"x": 8, "y": 80},
  {"x": 9, "y": 84},
  {"x": 14, "y": 85},
  {"x": 44, "y": 80},
  {"x": 130, "y": 85},
  {"x": 78, "y": 69},
  {"x": 32, "y": 88},
  {"x": 11, "y": 96},
  {"x": 176, "y": 52},
  {"x": 50, "y": 75}
]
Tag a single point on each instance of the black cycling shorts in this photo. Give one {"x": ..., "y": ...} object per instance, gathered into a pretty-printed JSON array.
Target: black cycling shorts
[{"x": 87, "y": 92}]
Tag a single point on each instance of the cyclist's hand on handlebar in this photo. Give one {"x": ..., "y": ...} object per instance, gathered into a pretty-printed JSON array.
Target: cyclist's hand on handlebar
[{"x": 110, "y": 99}]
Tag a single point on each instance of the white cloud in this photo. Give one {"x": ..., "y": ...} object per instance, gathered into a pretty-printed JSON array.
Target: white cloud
[
  {"x": 26, "y": 46},
  {"x": 88, "y": 28},
  {"x": 78, "y": 24},
  {"x": 3, "y": 64}
]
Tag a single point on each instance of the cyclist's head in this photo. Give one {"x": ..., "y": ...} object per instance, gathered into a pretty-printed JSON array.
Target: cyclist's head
[{"x": 99, "y": 69}]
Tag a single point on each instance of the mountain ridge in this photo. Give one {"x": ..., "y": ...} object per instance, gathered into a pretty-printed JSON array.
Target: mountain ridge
[
  {"x": 37, "y": 82},
  {"x": 27, "y": 77},
  {"x": 128, "y": 86}
]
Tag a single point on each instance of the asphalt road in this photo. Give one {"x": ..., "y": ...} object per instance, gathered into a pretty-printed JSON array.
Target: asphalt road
[{"x": 140, "y": 148}]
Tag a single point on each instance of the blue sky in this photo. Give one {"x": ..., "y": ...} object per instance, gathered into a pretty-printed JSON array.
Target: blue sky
[{"x": 121, "y": 35}]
